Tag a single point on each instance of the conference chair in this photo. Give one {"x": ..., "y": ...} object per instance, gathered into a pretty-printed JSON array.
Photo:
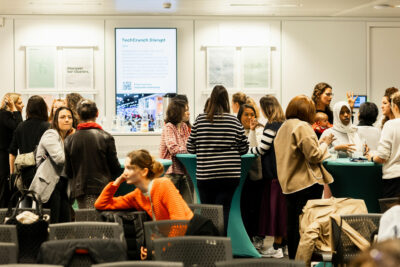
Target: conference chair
[
  {"x": 8, "y": 253},
  {"x": 140, "y": 263},
  {"x": 193, "y": 250},
  {"x": 87, "y": 215},
  {"x": 366, "y": 225},
  {"x": 260, "y": 263},
  {"x": 213, "y": 212},
  {"x": 92, "y": 230}
]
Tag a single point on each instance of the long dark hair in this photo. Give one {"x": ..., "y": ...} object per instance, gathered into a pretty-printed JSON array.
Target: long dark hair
[
  {"x": 54, "y": 123},
  {"x": 175, "y": 111},
  {"x": 219, "y": 102},
  {"x": 37, "y": 108}
]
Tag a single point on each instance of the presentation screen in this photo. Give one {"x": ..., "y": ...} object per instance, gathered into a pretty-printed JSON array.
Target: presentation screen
[
  {"x": 360, "y": 99},
  {"x": 145, "y": 70},
  {"x": 145, "y": 61}
]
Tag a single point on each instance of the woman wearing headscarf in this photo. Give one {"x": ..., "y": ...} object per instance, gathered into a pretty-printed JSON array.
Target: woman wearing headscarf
[{"x": 346, "y": 136}]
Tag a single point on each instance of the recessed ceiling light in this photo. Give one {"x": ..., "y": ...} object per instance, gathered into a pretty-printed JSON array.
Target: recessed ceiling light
[
  {"x": 266, "y": 5},
  {"x": 383, "y": 6}
]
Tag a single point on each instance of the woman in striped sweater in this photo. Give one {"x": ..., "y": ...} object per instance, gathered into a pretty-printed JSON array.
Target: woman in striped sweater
[{"x": 218, "y": 140}]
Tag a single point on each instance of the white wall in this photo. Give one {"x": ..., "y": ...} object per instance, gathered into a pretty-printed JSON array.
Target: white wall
[
  {"x": 323, "y": 51},
  {"x": 306, "y": 51},
  {"x": 6, "y": 57}
]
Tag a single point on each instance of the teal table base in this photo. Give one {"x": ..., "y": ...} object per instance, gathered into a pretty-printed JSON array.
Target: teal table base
[
  {"x": 360, "y": 180},
  {"x": 241, "y": 243},
  {"x": 190, "y": 163}
]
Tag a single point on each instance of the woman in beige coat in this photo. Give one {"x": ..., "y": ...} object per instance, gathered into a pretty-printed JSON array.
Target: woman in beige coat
[{"x": 299, "y": 158}]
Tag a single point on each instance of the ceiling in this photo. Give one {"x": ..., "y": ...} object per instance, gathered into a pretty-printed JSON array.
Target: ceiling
[{"x": 268, "y": 8}]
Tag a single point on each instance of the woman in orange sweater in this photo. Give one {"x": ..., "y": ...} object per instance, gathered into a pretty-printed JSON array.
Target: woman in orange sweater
[{"x": 158, "y": 197}]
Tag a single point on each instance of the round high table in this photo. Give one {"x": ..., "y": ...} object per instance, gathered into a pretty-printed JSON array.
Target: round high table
[
  {"x": 125, "y": 188},
  {"x": 360, "y": 180},
  {"x": 241, "y": 243}
]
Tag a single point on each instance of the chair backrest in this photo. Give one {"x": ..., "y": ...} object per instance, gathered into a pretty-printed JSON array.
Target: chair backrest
[
  {"x": 8, "y": 234},
  {"x": 159, "y": 229},
  {"x": 261, "y": 263},
  {"x": 213, "y": 212},
  {"x": 3, "y": 212},
  {"x": 387, "y": 203},
  {"x": 198, "y": 250},
  {"x": 366, "y": 225},
  {"x": 8, "y": 253},
  {"x": 87, "y": 215},
  {"x": 140, "y": 263},
  {"x": 82, "y": 252},
  {"x": 79, "y": 230}
]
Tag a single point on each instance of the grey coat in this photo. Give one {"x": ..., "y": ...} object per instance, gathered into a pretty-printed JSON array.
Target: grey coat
[{"x": 50, "y": 160}]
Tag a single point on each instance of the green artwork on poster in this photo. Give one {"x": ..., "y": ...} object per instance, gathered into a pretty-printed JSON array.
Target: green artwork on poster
[{"x": 41, "y": 67}]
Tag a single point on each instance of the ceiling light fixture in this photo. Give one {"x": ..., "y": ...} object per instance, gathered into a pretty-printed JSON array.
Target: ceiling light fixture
[{"x": 383, "y": 6}]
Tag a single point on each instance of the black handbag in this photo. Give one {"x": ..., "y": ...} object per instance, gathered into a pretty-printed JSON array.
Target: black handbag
[{"x": 30, "y": 236}]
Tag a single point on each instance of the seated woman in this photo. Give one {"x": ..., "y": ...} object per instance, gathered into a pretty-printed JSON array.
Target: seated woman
[
  {"x": 346, "y": 136},
  {"x": 158, "y": 197},
  {"x": 367, "y": 117}
]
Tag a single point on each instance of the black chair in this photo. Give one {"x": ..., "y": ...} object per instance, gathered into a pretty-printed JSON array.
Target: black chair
[
  {"x": 159, "y": 229},
  {"x": 8, "y": 253},
  {"x": 213, "y": 212},
  {"x": 29, "y": 265},
  {"x": 387, "y": 203},
  {"x": 87, "y": 215},
  {"x": 140, "y": 263},
  {"x": 366, "y": 225},
  {"x": 79, "y": 230},
  {"x": 82, "y": 252},
  {"x": 193, "y": 250},
  {"x": 260, "y": 263}
]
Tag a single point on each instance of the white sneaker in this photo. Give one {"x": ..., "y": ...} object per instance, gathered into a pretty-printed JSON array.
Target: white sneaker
[
  {"x": 272, "y": 253},
  {"x": 258, "y": 242}
]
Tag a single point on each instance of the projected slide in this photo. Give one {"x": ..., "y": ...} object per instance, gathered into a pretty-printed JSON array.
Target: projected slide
[{"x": 145, "y": 61}]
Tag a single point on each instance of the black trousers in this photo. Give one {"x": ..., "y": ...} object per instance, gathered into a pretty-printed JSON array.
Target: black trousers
[
  {"x": 295, "y": 203},
  {"x": 391, "y": 187},
  {"x": 59, "y": 204},
  {"x": 220, "y": 192}
]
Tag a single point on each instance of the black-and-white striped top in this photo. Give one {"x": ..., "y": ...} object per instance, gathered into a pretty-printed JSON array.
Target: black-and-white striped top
[{"x": 218, "y": 146}]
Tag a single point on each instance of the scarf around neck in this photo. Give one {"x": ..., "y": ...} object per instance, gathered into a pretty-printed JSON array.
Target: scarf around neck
[{"x": 89, "y": 125}]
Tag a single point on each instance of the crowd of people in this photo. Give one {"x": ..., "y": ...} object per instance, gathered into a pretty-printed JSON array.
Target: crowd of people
[{"x": 77, "y": 160}]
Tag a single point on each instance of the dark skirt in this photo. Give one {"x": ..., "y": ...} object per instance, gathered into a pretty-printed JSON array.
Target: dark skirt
[{"x": 273, "y": 212}]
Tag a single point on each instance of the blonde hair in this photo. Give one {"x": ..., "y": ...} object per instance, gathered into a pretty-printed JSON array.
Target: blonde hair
[
  {"x": 272, "y": 109},
  {"x": 320, "y": 116},
  {"x": 14, "y": 97},
  {"x": 143, "y": 159},
  {"x": 240, "y": 98}
]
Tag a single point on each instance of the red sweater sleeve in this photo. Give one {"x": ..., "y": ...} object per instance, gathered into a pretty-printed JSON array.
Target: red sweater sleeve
[
  {"x": 173, "y": 201},
  {"x": 107, "y": 201}
]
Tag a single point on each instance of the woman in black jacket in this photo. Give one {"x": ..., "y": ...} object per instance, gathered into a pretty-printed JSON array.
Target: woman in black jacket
[
  {"x": 10, "y": 117},
  {"x": 27, "y": 135}
]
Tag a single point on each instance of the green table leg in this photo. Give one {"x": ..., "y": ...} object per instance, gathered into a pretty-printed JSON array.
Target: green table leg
[
  {"x": 241, "y": 243},
  {"x": 190, "y": 163}
]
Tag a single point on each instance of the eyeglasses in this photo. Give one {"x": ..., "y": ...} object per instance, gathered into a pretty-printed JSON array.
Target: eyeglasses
[{"x": 328, "y": 94}]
